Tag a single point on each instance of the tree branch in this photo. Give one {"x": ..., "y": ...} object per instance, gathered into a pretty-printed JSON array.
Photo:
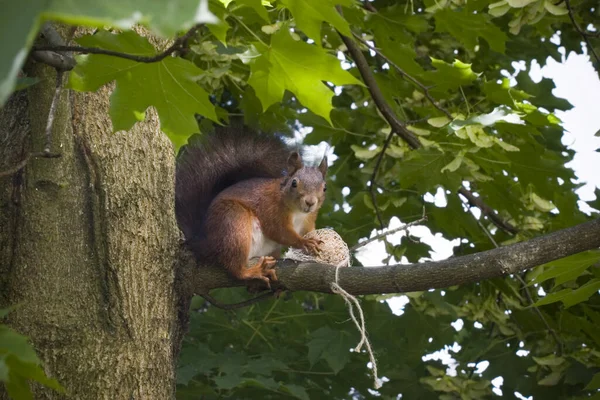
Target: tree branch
[
  {"x": 385, "y": 109},
  {"x": 413, "y": 277},
  {"x": 486, "y": 210},
  {"x": 372, "y": 185},
  {"x": 178, "y": 44},
  {"x": 583, "y": 34},
  {"x": 407, "y": 76},
  {"x": 60, "y": 62},
  {"x": 400, "y": 129}
]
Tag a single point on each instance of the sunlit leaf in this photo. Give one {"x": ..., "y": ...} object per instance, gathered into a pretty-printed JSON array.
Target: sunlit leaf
[
  {"x": 310, "y": 14},
  {"x": 282, "y": 66}
]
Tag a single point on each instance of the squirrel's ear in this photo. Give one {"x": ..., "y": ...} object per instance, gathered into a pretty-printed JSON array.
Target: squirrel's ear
[
  {"x": 294, "y": 163},
  {"x": 323, "y": 166}
]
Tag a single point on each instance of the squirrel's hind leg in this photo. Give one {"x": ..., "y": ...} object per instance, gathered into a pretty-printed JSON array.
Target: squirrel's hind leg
[{"x": 231, "y": 240}]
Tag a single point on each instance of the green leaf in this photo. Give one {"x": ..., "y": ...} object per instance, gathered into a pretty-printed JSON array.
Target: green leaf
[
  {"x": 467, "y": 27},
  {"x": 283, "y": 66},
  {"x": 228, "y": 381},
  {"x": 571, "y": 297},
  {"x": 364, "y": 154},
  {"x": 31, "y": 371},
  {"x": 423, "y": 168},
  {"x": 25, "y": 82},
  {"x": 310, "y": 14},
  {"x": 18, "y": 388},
  {"x": 438, "y": 122},
  {"x": 454, "y": 164},
  {"x": 4, "y": 370},
  {"x": 499, "y": 114},
  {"x": 331, "y": 345},
  {"x": 549, "y": 360},
  {"x": 502, "y": 93},
  {"x": 499, "y": 8},
  {"x": 541, "y": 203},
  {"x": 296, "y": 391},
  {"x": 219, "y": 27},
  {"x": 554, "y": 9},
  {"x": 20, "y": 24},
  {"x": 163, "y": 17},
  {"x": 520, "y": 3},
  {"x": 394, "y": 28},
  {"x": 568, "y": 268},
  {"x": 5, "y": 311},
  {"x": 169, "y": 85},
  {"x": 13, "y": 343},
  {"x": 595, "y": 203},
  {"x": 450, "y": 76},
  {"x": 257, "y": 6},
  {"x": 594, "y": 384},
  {"x": 19, "y": 363},
  {"x": 551, "y": 379},
  {"x": 542, "y": 93}
]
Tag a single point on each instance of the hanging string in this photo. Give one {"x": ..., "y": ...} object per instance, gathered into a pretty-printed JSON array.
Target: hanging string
[{"x": 352, "y": 302}]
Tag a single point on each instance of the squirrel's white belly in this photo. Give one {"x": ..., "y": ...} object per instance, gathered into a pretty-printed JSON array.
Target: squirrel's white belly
[
  {"x": 298, "y": 219},
  {"x": 261, "y": 245}
]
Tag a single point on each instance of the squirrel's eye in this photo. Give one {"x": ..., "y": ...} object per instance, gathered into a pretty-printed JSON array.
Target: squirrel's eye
[
  {"x": 325, "y": 188},
  {"x": 294, "y": 183}
]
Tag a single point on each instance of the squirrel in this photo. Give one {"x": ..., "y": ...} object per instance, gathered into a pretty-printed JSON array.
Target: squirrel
[{"x": 242, "y": 194}]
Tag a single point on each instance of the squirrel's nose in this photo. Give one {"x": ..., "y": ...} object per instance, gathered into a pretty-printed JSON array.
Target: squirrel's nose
[{"x": 310, "y": 202}]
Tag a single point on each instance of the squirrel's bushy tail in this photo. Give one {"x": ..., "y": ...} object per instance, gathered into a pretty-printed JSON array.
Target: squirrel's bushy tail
[{"x": 217, "y": 161}]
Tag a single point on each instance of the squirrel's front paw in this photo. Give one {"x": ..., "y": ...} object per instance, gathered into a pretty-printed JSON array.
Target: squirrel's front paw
[{"x": 312, "y": 245}]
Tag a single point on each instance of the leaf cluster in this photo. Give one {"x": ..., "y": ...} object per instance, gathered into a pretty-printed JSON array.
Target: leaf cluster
[{"x": 445, "y": 68}]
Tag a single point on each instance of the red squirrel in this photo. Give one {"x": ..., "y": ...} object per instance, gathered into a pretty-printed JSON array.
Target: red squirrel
[{"x": 242, "y": 194}]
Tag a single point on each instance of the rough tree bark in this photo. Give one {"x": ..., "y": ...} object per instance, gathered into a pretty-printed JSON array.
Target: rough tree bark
[{"x": 87, "y": 244}]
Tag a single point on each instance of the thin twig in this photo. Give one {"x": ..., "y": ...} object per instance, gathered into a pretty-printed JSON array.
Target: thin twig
[
  {"x": 178, "y": 44},
  {"x": 489, "y": 235},
  {"x": 583, "y": 34},
  {"x": 368, "y": 6},
  {"x": 52, "y": 112},
  {"x": 559, "y": 345},
  {"x": 408, "y": 77},
  {"x": 528, "y": 295},
  {"x": 390, "y": 232},
  {"x": 21, "y": 164},
  {"x": 241, "y": 304},
  {"x": 372, "y": 186},
  {"x": 400, "y": 129},
  {"x": 487, "y": 211}
]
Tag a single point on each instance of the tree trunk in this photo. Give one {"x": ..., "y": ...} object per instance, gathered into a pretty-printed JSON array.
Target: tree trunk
[{"x": 87, "y": 244}]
